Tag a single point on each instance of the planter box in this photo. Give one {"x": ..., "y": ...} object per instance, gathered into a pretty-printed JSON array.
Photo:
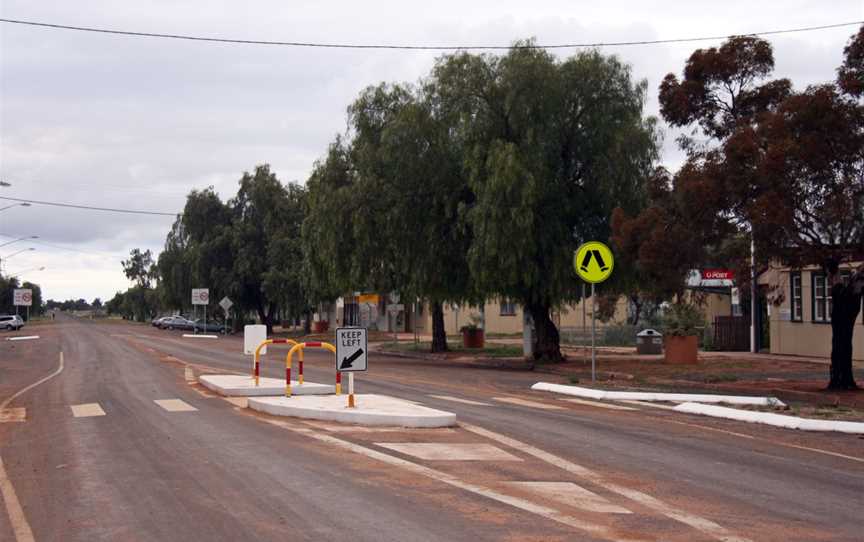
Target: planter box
[
  {"x": 683, "y": 350},
  {"x": 472, "y": 338}
]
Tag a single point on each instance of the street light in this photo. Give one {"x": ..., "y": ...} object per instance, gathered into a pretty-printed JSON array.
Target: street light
[
  {"x": 25, "y": 204},
  {"x": 19, "y": 239},
  {"x": 19, "y": 252},
  {"x": 19, "y": 273}
]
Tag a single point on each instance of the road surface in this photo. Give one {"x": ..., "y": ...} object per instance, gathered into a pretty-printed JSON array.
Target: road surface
[{"x": 121, "y": 443}]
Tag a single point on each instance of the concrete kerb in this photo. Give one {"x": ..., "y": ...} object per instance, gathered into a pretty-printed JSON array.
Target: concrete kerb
[
  {"x": 768, "y": 418},
  {"x": 244, "y": 386},
  {"x": 191, "y": 336},
  {"x": 370, "y": 409},
  {"x": 579, "y": 391}
]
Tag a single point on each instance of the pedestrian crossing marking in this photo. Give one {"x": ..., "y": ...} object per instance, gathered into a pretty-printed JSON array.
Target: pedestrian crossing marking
[
  {"x": 434, "y": 451},
  {"x": 9, "y": 415},
  {"x": 175, "y": 405},
  {"x": 87, "y": 410},
  {"x": 572, "y": 495}
]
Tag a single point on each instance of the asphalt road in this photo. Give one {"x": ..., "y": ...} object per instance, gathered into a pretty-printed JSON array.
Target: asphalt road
[{"x": 538, "y": 468}]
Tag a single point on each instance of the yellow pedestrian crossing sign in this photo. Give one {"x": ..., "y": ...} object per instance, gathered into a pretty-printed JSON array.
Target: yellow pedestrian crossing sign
[{"x": 593, "y": 262}]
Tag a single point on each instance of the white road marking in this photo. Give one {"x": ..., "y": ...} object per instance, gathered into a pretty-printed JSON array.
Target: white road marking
[
  {"x": 175, "y": 405},
  {"x": 27, "y": 338},
  {"x": 8, "y": 415},
  {"x": 87, "y": 410},
  {"x": 189, "y": 375},
  {"x": 22, "y": 391},
  {"x": 571, "y": 495},
  {"x": 20, "y": 527},
  {"x": 374, "y": 429},
  {"x": 524, "y": 402},
  {"x": 458, "y": 400},
  {"x": 596, "y": 404},
  {"x": 527, "y": 506},
  {"x": 699, "y": 523},
  {"x": 434, "y": 451},
  {"x": 239, "y": 402}
]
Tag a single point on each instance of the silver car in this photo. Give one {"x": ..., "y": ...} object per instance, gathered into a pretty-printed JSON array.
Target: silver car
[{"x": 11, "y": 322}]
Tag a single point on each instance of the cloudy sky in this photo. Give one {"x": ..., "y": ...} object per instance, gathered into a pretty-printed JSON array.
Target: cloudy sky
[{"x": 136, "y": 123}]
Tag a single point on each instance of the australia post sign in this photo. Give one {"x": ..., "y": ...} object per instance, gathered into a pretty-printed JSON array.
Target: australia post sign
[{"x": 711, "y": 278}]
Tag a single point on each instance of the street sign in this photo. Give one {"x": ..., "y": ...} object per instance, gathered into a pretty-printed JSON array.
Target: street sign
[
  {"x": 395, "y": 309},
  {"x": 352, "y": 348},
  {"x": 226, "y": 304},
  {"x": 22, "y": 297},
  {"x": 368, "y": 298},
  {"x": 254, "y": 335},
  {"x": 200, "y": 296},
  {"x": 593, "y": 262}
]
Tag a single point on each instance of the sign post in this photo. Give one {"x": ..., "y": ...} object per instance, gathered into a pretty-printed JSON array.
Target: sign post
[
  {"x": 201, "y": 296},
  {"x": 226, "y": 305},
  {"x": 352, "y": 349},
  {"x": 593, "y": 262},
  {"x": 22, "y": 297}
]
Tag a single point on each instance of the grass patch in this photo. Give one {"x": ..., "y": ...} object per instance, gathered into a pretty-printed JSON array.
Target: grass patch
[{"x": 491, "y": 350}]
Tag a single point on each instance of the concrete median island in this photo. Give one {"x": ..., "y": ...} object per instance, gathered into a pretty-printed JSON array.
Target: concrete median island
[
  {"x": 370, "y": 410},
  {"x": 244, "y": 386}
]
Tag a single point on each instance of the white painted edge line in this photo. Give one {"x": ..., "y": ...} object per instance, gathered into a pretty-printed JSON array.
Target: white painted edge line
[
  {"x": 27, "y": 338},
  {"x": 768, "y": 418},
  {"x": 20, "y": 527},
  {"x": 650, "y": 396},
  {"x": 191, "y": 336}
]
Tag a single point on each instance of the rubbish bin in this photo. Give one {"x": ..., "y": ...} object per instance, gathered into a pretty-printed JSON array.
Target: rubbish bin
[{"x": 649, "y": 341}]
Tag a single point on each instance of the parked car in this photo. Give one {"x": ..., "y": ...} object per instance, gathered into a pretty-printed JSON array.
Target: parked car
[
  {"x": 156, "y": 322},
  {"x": 176, "y": 322},
  {"x": 11, "y": 322},
  {"x": 209, "y": 327}
]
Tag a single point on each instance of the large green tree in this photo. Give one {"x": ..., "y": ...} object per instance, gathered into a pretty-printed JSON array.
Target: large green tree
[{"x": 551, "y": 147}]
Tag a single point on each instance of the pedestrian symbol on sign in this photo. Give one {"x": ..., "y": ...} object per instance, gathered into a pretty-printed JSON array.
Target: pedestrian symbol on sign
[{"x": 593, "y": 262}]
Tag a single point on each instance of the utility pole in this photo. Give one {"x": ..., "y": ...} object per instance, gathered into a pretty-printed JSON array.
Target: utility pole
[{"x": 753, "y": 291}]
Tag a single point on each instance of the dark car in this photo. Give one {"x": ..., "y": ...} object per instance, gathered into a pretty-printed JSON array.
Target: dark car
[
  {"x": 210, "y": 327},
  {"x": 176, "y": 322}
]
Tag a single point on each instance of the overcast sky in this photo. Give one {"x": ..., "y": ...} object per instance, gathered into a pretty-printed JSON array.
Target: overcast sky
[{"x": 137, "y": 123}]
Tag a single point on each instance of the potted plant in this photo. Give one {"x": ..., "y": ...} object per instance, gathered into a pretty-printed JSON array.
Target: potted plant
[
  {"x": 682, "y": 324},
  {"x": 472, "y": 334}
]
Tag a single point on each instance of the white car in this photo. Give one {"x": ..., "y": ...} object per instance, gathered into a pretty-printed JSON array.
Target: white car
[{"x": 11, "y": 322}]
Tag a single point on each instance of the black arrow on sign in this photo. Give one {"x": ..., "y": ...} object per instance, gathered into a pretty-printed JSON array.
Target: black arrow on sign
[{"x": 349, "y": 361}]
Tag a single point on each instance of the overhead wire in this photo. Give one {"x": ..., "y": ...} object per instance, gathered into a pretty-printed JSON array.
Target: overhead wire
[
  {"x": 325, "y": 45},
  {"x": 90, "y": 207}
]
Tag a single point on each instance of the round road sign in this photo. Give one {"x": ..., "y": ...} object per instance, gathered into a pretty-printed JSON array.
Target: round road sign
[{"x": 593, "y": 262}]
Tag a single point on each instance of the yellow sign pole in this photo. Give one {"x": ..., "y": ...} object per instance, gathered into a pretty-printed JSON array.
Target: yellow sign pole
[{"x": 593, "y": 262}]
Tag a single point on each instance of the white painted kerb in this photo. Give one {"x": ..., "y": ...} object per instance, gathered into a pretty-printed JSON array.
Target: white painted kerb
[
  {"x": 649, "y": 396},
  {"x": 768, "y": 418},
  {"x": 244, "y": 386},
  {"x": 370, "y": 410},
  {"x": 27, "y": 338},
  {"x": 190, "y": 336}
]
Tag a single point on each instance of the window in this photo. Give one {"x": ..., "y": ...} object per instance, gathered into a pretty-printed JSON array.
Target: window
[
  {"x": 797, "y": 308},
  {"x": 821, "y": 298},
  {"x": 508, "y": 308}
]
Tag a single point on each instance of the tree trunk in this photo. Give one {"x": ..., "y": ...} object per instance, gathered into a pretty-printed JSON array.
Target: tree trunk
[
  {"x": 439, "y": 332},
  {"x": 844, "y": 313},
  {"x": 547, "y": 341},
  {"x": 307, "y": 325}
]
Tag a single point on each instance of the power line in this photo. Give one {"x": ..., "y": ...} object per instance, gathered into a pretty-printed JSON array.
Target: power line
[
  {"x": 414, "y": 47},
  {"x": 90, "y": 208}
]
